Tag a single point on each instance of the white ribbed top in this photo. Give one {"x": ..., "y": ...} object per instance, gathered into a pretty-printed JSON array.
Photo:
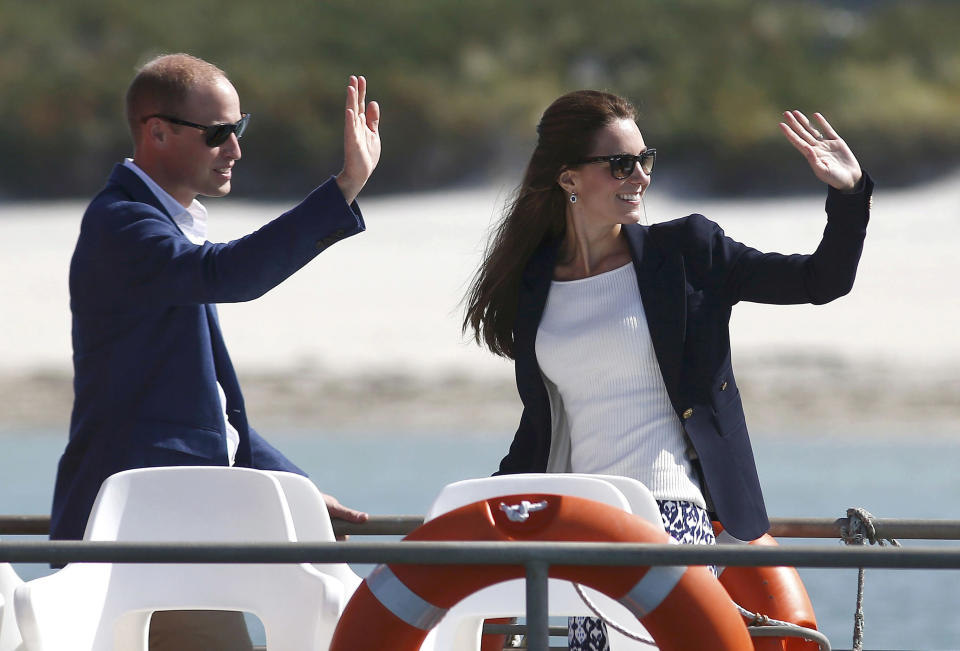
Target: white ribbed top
[{"x": 594, "y": 345}]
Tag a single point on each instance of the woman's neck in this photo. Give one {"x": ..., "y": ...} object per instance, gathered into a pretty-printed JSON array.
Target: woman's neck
[{"x": 588, "y": 251}]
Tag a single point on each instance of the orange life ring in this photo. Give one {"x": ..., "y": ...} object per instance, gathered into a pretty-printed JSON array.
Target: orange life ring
[
  {"x": 776, "y": 592},
  {"x": 681, "y": 607}
]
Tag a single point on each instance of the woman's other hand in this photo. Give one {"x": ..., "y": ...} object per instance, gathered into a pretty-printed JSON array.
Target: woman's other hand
[{"x": 830, "y": 159}]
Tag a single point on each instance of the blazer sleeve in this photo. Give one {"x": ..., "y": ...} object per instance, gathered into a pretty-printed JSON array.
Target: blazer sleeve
[
  {"x": 139, "y": 258},
  {"x": 266, "y": 457},
  {"x": 741, "y": 273},
  {"x": 527, "y": 451}
]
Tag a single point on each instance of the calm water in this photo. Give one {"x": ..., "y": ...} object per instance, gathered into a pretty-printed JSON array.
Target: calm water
[{"x": 902, "y": 471}]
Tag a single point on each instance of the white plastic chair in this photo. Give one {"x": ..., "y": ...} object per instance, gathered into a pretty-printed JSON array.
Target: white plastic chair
[
  {"x": 9, "y": 633},
  {"x": 97, "y": 607},
  {"x": 461, "y": 628}
]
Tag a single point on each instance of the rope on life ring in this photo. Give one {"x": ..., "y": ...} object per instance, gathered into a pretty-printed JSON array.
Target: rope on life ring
[
  {"x": 774, "y": 593},
  {"x": 681, "y": 607}
]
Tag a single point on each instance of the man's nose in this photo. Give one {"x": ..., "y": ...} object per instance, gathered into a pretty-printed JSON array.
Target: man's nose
[{"x": 231, "y": 147}]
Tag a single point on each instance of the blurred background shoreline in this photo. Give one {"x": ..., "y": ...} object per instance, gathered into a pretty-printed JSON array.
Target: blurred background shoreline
[
  {"x": 778, "y": 398},
  {"x": 367, "y": 336}
]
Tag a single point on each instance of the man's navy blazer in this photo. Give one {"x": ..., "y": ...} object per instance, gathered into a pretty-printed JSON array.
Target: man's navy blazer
[
  {"x": 147, "y": 348},
  {"x": 689, "y": 275}
]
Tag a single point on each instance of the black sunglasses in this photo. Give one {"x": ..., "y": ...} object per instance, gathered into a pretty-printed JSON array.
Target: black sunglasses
[
  {"x": 215, "y": 134},
  {"x": 622, "y": 165}
]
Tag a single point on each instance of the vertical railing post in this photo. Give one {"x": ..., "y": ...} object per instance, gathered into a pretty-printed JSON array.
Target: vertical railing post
[{"x": 538, "y": 625}]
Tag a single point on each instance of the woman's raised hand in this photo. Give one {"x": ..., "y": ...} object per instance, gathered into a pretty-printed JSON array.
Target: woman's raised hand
[
  {"x": 830, "y": 159},
  {"x": 361, "y": 139}
]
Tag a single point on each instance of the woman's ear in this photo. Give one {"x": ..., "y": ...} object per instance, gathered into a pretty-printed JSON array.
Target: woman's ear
[{"x": 567, "y": 180}]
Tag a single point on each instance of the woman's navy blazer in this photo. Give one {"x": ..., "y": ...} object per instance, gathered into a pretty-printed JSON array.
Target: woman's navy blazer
[
  {"x": 689, "y": 275},
  {"x": 147, "y": 348}
]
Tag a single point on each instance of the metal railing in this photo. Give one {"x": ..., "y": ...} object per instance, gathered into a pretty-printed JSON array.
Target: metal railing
[
  {"x": 535, "y": 558},
  {"x": 401, "y": 525}
]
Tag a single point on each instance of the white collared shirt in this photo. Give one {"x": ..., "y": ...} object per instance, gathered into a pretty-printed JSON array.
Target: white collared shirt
[{"x": 192, "y": 222}]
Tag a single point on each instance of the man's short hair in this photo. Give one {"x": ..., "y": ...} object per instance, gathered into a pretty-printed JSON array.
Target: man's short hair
[{"x": 163, "y": 84}]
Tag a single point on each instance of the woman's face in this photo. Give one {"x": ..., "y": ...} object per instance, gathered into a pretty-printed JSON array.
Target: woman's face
[{"x": 601, "y": 198}]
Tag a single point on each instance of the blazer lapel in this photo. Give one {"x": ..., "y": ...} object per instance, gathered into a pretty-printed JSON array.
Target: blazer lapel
[{"x": 662, "y": 282}]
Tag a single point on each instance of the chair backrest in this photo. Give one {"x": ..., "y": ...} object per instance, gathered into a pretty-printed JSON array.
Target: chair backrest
[
  {"x": 453, "y": 496},
  {"x": 9, "y": 633},
  {"x": 224, "y": 504},
  {"x": 92, "y": 606},
  {"x": 642, "y": 501},
  {"x": 311, "y": 521}
]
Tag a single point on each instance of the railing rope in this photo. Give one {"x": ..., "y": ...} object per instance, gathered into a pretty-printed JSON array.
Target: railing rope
[
  {"x": 608, "y": 621},
  {"x": 860, "y": 529}
]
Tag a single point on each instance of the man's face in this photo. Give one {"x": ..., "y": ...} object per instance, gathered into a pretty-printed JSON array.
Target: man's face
[{"x": 192, "y": 167}]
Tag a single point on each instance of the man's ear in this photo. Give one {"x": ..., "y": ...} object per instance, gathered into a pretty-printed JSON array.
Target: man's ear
[
  {"x": 567, "y": 180},
  {"x": 155, "y": 131}
]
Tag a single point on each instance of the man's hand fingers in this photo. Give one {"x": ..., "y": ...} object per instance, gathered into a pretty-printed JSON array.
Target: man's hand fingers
[
  {"x": 352, "y": 95},
  {"x": 361, "y": 93},
  {"x": 338, "y": 510},
  {"x": 373, "y": 116}
]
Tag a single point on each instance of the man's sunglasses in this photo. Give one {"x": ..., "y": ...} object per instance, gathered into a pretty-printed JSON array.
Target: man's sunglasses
[
  {"x": 622, "y": 165},
  {"x": 215, "y": 134}
]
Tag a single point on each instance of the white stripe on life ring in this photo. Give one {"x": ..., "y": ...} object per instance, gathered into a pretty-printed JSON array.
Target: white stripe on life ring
[
  {"x": 402, "y": 601},
  {"x": 652, "y": 589}
]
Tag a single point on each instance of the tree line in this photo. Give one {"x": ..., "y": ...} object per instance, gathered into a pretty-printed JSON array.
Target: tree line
[{"x": 462, "y": 84}]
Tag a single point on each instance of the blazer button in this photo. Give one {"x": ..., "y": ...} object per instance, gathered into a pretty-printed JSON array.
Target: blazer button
[
  {"x": 688, "y": 413},
  {"x": 321, "y": 244},
  {"x": 723, "y": 387}
]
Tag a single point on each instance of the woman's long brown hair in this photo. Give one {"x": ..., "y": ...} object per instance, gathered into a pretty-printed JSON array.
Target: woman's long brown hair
[{"x": 537, "y": 212}]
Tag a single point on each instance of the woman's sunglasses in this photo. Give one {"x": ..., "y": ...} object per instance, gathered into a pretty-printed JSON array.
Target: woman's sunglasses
[
  {"x": 215, "y": 134},
  {"x": 622, "y": 165}
]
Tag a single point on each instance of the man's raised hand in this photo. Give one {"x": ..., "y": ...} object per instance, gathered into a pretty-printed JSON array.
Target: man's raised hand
[{"x": 361, "y": 139}]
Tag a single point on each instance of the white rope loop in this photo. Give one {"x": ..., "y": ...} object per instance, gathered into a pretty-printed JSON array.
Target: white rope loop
[
  {"x": 609, "y": 622},
  {"x": 758, "y": 625}
]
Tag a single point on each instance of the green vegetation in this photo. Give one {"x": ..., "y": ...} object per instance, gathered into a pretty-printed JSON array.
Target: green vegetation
[{"x": 462, "y": 84}]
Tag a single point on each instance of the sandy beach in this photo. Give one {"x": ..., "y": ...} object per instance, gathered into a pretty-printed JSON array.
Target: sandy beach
[{"x": 368, "y": 334}]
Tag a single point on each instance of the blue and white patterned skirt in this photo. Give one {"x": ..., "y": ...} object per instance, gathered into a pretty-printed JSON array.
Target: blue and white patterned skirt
[{"x": 688, "y": 524}]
